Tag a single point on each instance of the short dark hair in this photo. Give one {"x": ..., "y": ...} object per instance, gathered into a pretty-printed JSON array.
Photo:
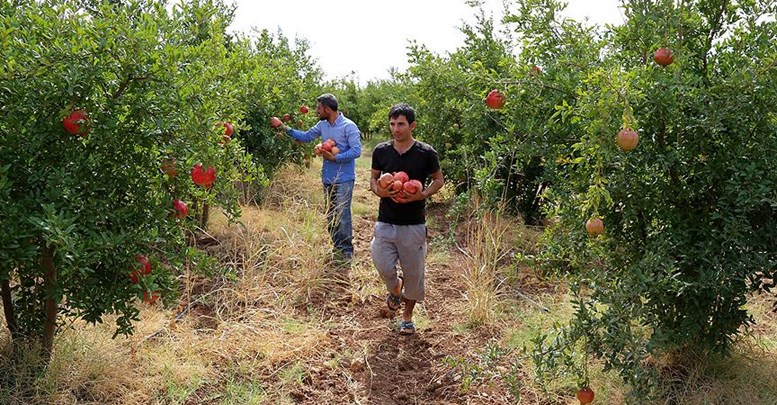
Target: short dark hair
[
  {"x": 402, "y": 109},
  {"x": 328, "y": 100}
]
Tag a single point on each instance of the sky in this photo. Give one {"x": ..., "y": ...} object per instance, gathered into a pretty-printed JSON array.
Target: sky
[{"x": 369, "y": 37}]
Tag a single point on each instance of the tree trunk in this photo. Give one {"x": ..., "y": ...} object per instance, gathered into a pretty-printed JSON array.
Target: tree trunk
[
  {"x": 50, "y": 303},
  {"x": 205, "y": 216},
  {"x": 8, "y": 310}
]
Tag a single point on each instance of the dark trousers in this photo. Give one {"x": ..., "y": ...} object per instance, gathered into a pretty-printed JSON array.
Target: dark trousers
[{"x": 338, "y": 215}]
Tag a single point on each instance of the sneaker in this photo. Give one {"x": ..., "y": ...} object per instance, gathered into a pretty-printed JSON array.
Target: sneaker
[
  {"x": 340, "y": 256},
  {"x": 327, "y": 255},
  {"x": 342, "y": 261}
]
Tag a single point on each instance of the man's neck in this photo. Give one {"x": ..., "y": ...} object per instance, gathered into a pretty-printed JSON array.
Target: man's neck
[
  {"x": 333, "y": 117},
  {"x": 403, "y": 146}
]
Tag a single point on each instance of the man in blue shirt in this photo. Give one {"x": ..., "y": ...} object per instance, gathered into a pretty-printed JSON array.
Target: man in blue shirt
[{"x": 339, "y": 170}]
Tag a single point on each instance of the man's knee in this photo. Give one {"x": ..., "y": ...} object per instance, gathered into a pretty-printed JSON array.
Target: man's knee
[{"x": 383, "y": 265}]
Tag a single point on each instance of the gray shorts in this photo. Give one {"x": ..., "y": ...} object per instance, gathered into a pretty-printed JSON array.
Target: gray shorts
[{"x": 405, "y": 244}]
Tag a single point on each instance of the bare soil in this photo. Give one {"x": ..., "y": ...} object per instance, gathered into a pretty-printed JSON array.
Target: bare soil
[
  {"x": 402, "y": 369},
  {"x": 376, "y": 365}
]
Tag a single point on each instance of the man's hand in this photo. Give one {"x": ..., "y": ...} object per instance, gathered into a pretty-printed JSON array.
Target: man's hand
[
  {"x": 405, "y": 197},
  {"x": 385, "y": 192},
  {"x": 327, "y": 155},
  {"x": 399, "y": 198}
]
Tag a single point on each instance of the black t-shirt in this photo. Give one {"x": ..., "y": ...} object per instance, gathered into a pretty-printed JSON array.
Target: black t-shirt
[{"x": 419, "y": 162}]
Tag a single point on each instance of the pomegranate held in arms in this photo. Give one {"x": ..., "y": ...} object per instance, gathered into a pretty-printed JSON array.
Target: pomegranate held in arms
[{"x": 385, "y": 180}]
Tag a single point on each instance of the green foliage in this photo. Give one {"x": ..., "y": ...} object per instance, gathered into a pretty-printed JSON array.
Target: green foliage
[
  {"x": 368, "y": 105},
  {"x": 281, "y": 78},
  {"x": 689, "y": 214},
  {"x": 479, "y": 147},
  {"x": 481, "y": 370},
  {"x": 154, "y": 83}
]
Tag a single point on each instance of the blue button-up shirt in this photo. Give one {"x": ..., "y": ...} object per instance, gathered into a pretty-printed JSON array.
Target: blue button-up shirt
[{"x": 347, "y": 138}]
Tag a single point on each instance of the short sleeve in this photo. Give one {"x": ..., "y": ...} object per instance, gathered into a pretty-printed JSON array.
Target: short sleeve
[{"x": 433, "y": 161}]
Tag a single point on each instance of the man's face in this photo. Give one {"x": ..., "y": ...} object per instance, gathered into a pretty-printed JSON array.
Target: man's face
[
  {"x": 400, "y": 129},
  {"x": 322, "y": 112}
]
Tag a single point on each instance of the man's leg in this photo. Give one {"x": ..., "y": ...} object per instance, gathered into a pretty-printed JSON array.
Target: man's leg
[
  {"x": 407, "y": 314},
  {"x": 411, "y": 248},
  {"x": 329, "y": 199},
  {"x": 385, "y": 256},
  {"x": 343, "y": 233}
]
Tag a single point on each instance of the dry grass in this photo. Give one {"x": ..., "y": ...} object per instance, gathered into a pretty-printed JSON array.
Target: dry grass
[
  {"x": 488, "y": 242},
  {"x": 260, "y": 334},
  {"x": 748, "y": 376},
  {"x": 252, "y": 326},
  {"x": 485, "y": 251}
]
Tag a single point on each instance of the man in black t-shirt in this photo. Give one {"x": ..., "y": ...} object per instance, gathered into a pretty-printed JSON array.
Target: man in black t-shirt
[{"x": 400, "y": 232}]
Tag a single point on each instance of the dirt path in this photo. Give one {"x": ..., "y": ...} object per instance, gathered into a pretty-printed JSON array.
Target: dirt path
[
  {"x": 403, "y": 368},
  {"x": 394, "y": 369}
]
